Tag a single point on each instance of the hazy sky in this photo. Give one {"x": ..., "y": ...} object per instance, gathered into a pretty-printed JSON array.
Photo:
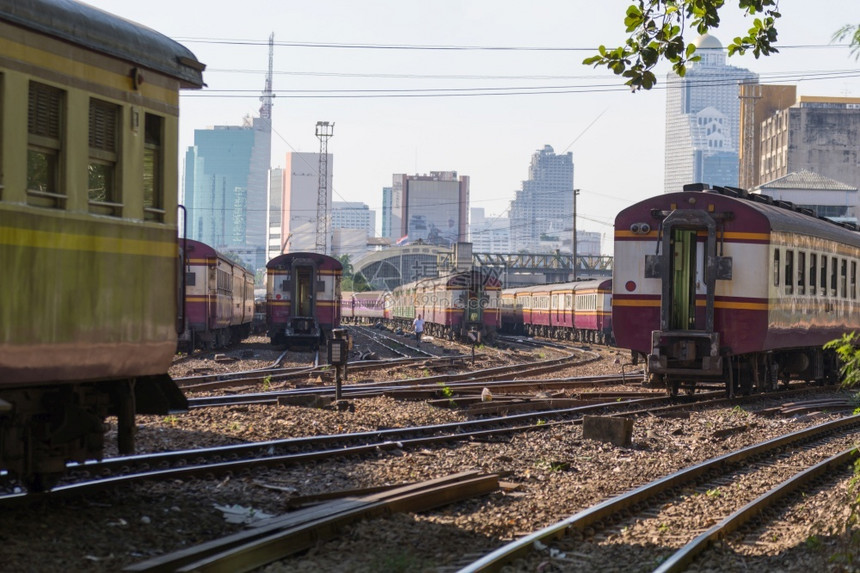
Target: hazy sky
[{"x": 616, "y": 137}]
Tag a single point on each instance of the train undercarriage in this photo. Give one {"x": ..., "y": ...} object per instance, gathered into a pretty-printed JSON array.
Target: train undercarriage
[
  {"x": 741, "y": 374},
  {"x": 44, "y": 427}
]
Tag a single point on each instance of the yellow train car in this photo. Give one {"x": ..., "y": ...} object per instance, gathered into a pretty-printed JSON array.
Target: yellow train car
[{"x": 89, "y": 257}]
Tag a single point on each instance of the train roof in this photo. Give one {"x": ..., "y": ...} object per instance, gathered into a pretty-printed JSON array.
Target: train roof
[
  {"x": 780, "y": 216},
  {"x": 565, "y": 286},
  {"x": 106, "y": 33},
  {"x": 196, "y": 250},
  {"x": 369, "y": 294},
  {"x": 322, "y": 261}
]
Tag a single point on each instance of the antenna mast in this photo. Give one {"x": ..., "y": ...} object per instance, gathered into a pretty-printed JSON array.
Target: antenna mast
[
  {"x": 324, "y": 131},
  {"x": 268, "y": 96}
]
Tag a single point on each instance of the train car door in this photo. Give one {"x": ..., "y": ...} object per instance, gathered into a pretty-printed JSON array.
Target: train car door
[
  {"x": 685, "y": 262},
  {"x": 303, "y": 295}
]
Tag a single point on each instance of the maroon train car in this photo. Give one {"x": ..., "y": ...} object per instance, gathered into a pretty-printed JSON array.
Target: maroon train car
[
  {"x": 535, "y": 302},
  {"x": 364, "y": 307},
  {"x": 718, "y": 284},
  {"x": 592, "y": 314},
  {"x": 452, "y": 306},
  {"x": 219, "y": 298},
  {"x": 303, "y": 299},
  {"x": 511, "y": 311},
  {"x": 577, "y": 310}
]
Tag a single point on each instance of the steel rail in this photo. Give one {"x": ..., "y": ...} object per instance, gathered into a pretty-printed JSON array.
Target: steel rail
[
  {"x": 495, "y": 560},
  {"x": 272, "y": 453},
  {"x": 681, "y": 559}
]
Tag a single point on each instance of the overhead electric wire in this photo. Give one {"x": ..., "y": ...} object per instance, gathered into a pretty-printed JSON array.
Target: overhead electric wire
[
  {"x": 430, "y": 47},
  {"x": 365, "y": 93}
]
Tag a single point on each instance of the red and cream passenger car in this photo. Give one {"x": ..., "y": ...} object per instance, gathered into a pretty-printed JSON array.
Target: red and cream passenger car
[
  {"x": 718, "y": 284},
  {"x": 219, "y": 298},
  {"x": 578, "y": 310},
  {"x": 303, "y": 299}
]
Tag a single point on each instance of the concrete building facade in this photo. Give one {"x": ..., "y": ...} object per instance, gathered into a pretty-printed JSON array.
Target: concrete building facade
[
  {"x": 431, "y": 208},
  {"x": 817, "y": 134}
]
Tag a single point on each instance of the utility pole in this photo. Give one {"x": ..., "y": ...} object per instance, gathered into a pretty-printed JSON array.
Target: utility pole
[
  {"x": 575, "y": 193},
  {"x": 324, "y": 131},
  {"x": 748, "y": 176}
]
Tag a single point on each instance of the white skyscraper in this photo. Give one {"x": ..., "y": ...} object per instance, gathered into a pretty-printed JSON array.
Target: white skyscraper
[
  {"x": 299, "y": 207},
  {"x": 353, "y": 215},
  {"x": 544, "y": 206},
  {"x": 273, "y": 217},
  {"x": 703, "y": 120}
]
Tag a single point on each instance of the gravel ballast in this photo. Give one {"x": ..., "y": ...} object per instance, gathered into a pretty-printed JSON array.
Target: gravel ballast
[{"x": 552, "y": 473}]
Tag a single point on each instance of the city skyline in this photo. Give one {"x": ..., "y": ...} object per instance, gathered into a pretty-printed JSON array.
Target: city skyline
[{"x": 616, "y": 137}]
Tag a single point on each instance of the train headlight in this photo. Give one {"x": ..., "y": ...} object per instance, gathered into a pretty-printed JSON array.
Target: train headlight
[
  {"x": 640, "y": 228},
  {"x": 630, "y": 286}
]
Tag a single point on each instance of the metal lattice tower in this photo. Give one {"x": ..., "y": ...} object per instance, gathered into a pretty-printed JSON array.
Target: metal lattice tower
[
  {"x": 268, "y": 94},
  {"x": 324, "y": 131}
]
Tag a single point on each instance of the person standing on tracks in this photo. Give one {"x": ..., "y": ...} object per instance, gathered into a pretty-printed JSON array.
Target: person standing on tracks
[{"x": 418, "y": 325}]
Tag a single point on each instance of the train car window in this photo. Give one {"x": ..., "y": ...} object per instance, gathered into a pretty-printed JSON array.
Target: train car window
[
  {"x": 45, "y": 110},
  {"x": 190, "y": 279},
  {"x": 225, "y": 285},
  {"x": 853, "y": 283},
  {"x": 776, "y": 267},
  {"x": 789, "y": 271},
  {"x": 801, "y": 272},
  {"x": 843, "y": 278},
  {"x": 102, "y": 189},
  {"x": 153, "y": 161},
  {"x": 813, "y": 273},
  {"x": 834, "y": 268},
  {"x": 822, "y": 283}
]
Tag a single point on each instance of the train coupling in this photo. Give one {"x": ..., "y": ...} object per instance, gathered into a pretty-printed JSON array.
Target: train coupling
[{"x": 688, "y": 352}]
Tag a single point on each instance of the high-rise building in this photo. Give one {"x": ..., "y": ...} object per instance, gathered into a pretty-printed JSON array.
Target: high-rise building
[
  {"x": 387, "y": 231},
  {"x": 353, "y": 215},
  {"x": 430, "y": 208},
  {"x": 226, "y": 183},
  {"x": 544, "y": 205},
  {"x": 489, "y": 235},
  {"x": 299, "y": 204},
  {"x": 703, "y": 120},
  {"x": 273, "y": 222}
]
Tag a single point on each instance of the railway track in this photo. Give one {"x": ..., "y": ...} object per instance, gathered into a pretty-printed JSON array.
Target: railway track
[
  {"x": 719, "y": 490},
  {"x": 418, "y": 389},
  {"x": 88, "y": 478},
  {"x": 281, "y": 536},
  {"x": 268, "y": 379}
]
